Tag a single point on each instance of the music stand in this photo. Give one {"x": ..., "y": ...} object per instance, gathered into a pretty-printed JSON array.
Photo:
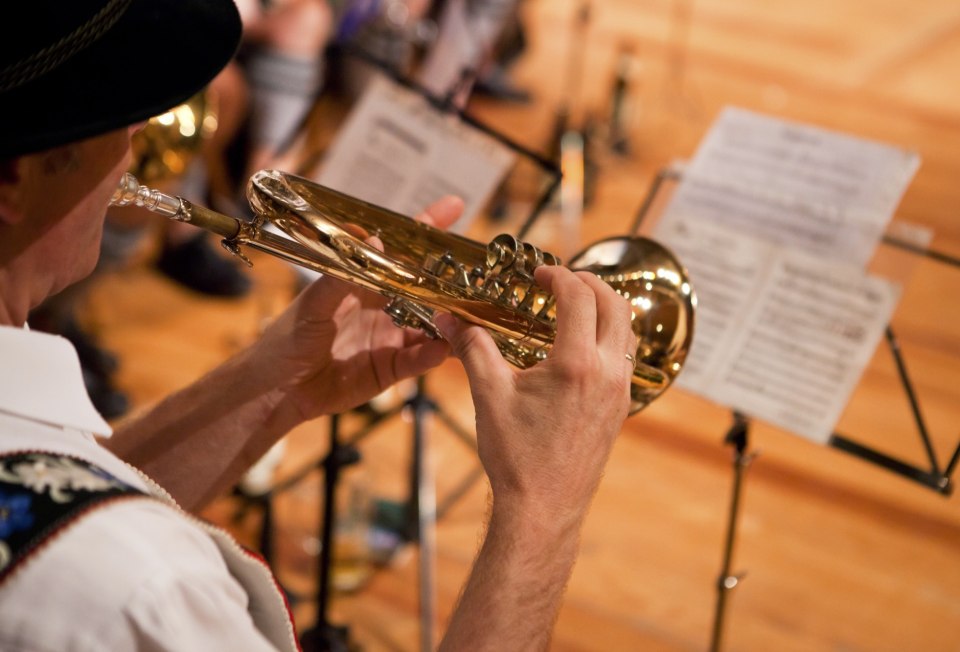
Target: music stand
[{"x": 936, "y": 477}]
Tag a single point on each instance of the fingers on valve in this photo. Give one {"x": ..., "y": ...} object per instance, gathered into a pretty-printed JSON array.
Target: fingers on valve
[
  {"x": 576, "y": 310},
  {"x": 615, "y": 339},
  {"x": 614, "y": 331},
  {"x": 474, "y": 347}
]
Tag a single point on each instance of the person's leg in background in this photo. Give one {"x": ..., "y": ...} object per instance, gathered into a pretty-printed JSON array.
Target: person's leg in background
[
  {"x": 283, "y": 59},
  {"x": 468, "y": 33},
  {"x": 263, "y": 98}
]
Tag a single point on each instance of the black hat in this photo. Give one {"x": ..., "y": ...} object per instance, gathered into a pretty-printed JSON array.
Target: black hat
[{"x": 71, "y": 69}]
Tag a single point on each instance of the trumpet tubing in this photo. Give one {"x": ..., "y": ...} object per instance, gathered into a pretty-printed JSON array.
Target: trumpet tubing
[{"x": 422, "y": 269}]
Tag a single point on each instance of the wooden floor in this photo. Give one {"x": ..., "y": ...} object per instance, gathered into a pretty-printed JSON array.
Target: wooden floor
[{"x": 838, "y": 554}]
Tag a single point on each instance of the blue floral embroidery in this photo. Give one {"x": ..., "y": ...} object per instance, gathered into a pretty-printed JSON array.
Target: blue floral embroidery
[
  {"x": 58, "y": 476},
  {"x": 15, "y": 513},
  {"x": 42, "y": 493}
]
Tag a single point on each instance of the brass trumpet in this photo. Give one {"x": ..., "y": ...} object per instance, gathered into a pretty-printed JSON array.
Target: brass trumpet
[{"x": 423, "y": 269}]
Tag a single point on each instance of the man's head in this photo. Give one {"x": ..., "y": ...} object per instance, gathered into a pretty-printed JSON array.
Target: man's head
[{"x": 74, "y": 76}]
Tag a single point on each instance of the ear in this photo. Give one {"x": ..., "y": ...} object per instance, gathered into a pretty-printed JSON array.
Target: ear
[{"x": 11, "y": 209}]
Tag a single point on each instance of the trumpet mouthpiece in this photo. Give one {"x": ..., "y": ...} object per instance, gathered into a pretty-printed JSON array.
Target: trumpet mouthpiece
[{"x": 130, "y": 192}]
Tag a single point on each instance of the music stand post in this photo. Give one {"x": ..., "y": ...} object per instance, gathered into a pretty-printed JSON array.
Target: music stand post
[
  {"x": 420, "y": 514},
  {"x": 324, "y": 636}
]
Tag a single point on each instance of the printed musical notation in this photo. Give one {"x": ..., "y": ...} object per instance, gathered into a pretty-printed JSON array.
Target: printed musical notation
[
  {"x": 775, "y": 225},
  {"x": 396, "y": 150},
  {"x": 799, "y": 186}
]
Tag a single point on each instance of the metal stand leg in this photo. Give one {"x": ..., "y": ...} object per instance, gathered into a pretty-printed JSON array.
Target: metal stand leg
[
  {"x": 324, "y": 636},
  {"x": 737, "y": 437},
  {"x": 422, "y": 515}
]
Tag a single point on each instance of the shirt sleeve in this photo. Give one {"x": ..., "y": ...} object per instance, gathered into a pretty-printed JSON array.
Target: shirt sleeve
[
  {"x": 174, "y": 612},
  {"x": 189, "y": 601}
]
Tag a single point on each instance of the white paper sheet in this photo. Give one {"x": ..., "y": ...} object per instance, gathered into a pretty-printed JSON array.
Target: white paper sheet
[
  {"x": 775, "y": 223},
  {"x": 780, "y": 335},
  {"x": 803, "y": 187},
  {"x": 397, "y": 151}
]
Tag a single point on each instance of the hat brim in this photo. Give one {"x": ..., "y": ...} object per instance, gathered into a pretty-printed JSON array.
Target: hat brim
[{"x": 158, "y": 54}]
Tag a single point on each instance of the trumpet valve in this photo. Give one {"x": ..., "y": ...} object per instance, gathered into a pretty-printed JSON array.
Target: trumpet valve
[{"x": 407, "y": 314}]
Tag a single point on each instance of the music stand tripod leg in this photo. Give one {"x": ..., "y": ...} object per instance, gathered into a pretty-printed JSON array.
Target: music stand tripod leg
[
  {"x": 421, "y": 513},
  {"x": 325, "y": 636}
]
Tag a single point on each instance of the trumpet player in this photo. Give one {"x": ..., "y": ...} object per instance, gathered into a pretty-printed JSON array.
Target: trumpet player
[{"x": 98, "y": 550}]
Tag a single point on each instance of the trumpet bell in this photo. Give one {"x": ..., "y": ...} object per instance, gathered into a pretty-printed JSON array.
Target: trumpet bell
[{"x": 662, "y": 303}]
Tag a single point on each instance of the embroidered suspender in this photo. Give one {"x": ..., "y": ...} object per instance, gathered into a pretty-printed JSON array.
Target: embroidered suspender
[{"x": 41, "y": 494}]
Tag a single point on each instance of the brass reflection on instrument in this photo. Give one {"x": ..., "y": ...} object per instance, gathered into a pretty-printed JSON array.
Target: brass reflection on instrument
[{"x": 422, "y": 269}]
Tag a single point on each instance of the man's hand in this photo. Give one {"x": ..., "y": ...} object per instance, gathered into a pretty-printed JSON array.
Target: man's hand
[
  {"x": 334, "y": 348},
  {"x": 544, "y": 435},
  {"x": 330, "y": 350}
]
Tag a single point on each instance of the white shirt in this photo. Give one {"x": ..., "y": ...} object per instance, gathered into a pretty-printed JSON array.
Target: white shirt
[{"x": 135, "y": 574}]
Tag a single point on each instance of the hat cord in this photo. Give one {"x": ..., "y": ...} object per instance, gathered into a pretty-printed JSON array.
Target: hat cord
[{"x": 42, "y": 62}]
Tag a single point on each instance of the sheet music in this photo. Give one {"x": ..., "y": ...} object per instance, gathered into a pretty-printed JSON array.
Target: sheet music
[
  {"x": 395, "y": 150},
  {"x": 799, "y": 186},
  {"x": 787, "y": 319},
  {"x": 724, "y": 270},
  {"x": 805, "y": 344}
]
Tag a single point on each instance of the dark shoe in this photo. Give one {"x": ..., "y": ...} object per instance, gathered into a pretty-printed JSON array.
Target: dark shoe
[{"x": 195, "y": 264}]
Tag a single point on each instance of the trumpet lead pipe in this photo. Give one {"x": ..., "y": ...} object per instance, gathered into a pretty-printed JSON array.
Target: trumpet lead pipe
[{"x": 130, "y": 192}]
